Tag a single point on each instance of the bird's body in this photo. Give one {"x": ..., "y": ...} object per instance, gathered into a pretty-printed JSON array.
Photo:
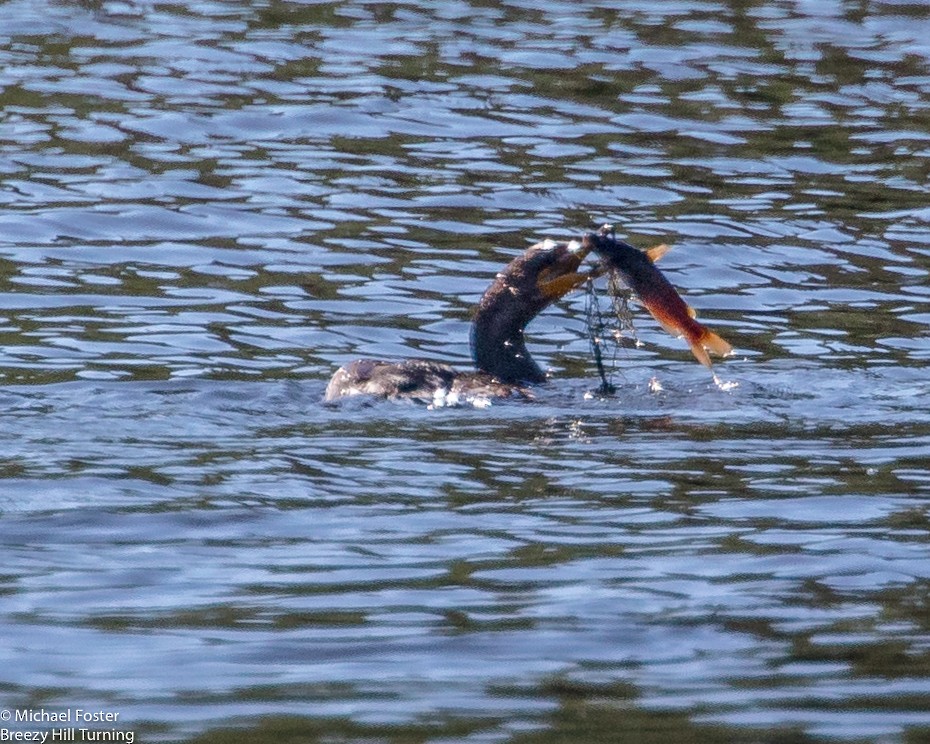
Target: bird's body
[{"x": 418, "y": 380}]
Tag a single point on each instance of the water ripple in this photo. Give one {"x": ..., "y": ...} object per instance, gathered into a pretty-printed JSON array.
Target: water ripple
[{"x": 206, "y": 207}]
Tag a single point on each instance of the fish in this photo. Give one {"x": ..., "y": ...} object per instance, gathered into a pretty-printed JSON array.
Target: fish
[{"x": 639, "y": 273}]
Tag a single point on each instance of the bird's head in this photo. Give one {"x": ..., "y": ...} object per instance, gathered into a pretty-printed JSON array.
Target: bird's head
[{"x": 542, "y": 274}]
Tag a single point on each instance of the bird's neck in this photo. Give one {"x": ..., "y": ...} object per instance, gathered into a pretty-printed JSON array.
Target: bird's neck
[{"x": 498, "y": 346}]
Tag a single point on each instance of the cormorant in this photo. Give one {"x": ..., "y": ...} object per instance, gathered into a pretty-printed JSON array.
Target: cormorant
[{"x": 532, "y": 281}]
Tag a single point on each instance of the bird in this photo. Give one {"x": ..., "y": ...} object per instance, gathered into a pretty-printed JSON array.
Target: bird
[{"x": 532, "y": 281}]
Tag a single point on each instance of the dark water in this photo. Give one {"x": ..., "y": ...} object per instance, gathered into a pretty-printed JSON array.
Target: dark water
[{"x": 206, "y": 207}]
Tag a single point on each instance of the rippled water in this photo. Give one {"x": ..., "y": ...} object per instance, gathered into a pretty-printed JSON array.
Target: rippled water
[{"x": 207, "y": 207}]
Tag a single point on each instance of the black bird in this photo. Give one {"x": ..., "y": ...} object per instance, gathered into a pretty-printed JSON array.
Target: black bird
[{"x": 540, "y": 276}]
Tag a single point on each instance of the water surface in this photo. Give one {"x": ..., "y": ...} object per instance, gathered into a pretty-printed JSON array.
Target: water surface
[{"x": 206, "y": 208}]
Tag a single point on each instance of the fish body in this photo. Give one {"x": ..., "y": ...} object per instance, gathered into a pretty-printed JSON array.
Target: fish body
[{"x": 657, "y": 294}]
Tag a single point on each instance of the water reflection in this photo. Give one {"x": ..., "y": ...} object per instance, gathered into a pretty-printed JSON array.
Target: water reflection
[{"x": 207, "y": 207}]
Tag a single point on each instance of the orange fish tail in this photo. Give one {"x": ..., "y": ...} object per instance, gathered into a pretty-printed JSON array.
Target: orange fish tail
[
  {"x": 706, "y": 341},
  {"x": 700, "y": 353},
  {"x": 714, "y": 343}
]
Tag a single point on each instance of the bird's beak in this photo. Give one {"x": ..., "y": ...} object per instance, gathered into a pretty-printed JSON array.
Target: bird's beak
[{"x": 563, "y": 276}]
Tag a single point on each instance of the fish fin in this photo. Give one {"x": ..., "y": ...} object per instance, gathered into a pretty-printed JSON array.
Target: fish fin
[
  {"x": 708, "y": 341},
  {"x": 657, "y": 251},
  {"x": 714, "y": 343},
  {"x": 700, "y": 353}
]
